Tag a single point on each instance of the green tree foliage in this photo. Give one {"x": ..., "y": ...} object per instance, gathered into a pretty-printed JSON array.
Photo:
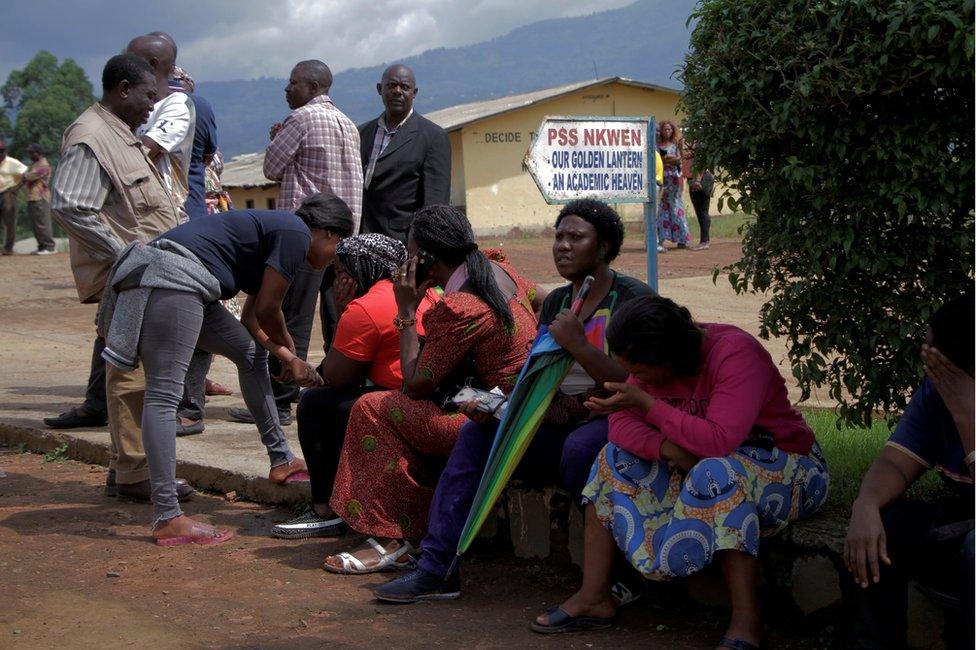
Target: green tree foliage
[
  {"x": 46, "y": 97},
  {"x": 846, "y": 127}
]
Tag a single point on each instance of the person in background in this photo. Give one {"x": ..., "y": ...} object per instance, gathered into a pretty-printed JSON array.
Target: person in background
[
  {"x": 316, "y": 149},
  {"x": 364, "y": 357},
  {"x": 588, "y": 238},
  {"x": 174, "y": 286},
  {"x": 406, "y": 159},
  {"x": 891, "y": 538},
  {"x": 11, "y": 177},
  {"x": 38, "y": 181},
  {"x": 396, "y": 441},
  {"x": 92, "y": 199},
  {"x": 672, "y": 223},
  {"x": 706, "y": 456},
  {"x": 701, "y": 183}
]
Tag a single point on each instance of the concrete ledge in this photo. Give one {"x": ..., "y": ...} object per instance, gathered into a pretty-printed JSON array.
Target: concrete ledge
[{"x": 205, "y": 477}]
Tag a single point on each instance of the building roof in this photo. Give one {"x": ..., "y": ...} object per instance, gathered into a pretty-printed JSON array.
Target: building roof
[
  {"x": 247, "y": 170},
  {"x": 455, "y": 117}
]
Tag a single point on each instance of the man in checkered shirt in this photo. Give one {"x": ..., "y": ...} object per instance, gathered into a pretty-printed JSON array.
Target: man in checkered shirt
[{"x": 316, "y": 149}]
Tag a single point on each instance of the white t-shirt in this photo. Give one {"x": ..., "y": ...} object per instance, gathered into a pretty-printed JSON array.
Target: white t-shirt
[{"x": 171, "y": 126}]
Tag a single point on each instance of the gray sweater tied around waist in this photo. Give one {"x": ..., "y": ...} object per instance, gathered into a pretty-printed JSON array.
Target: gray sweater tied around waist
[{"x": 141, "y": 268}]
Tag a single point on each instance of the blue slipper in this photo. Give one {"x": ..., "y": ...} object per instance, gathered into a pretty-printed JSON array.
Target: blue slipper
[{"x": 560, "y": 621}]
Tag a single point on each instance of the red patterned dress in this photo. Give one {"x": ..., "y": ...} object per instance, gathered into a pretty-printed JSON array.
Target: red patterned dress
[{"x": 395, "y": 446}]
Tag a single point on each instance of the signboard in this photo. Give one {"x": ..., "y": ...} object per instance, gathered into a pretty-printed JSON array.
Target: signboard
[{"x": 611, "y": 159}]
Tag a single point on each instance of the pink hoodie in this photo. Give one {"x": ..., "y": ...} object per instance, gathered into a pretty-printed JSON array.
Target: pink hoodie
[{"x": 737, "y": 389}]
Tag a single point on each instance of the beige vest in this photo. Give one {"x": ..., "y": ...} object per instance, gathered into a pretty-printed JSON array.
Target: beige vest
[{"x": 139, "y": 208}]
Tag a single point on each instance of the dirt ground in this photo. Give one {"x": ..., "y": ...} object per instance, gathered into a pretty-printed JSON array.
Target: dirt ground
[{"x": 78, "y": 570}]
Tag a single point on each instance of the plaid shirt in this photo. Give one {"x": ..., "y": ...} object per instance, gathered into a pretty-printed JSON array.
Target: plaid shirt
[
  {"x": 380, "y": 142},
  {"x": 316, "y": 150}
]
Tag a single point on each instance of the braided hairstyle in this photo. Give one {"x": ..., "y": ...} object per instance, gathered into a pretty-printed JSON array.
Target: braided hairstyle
[
  {"x": 444, "y": 232},
  {"x": 657, "y": 332},
  {"x": 370, "y": 258}
]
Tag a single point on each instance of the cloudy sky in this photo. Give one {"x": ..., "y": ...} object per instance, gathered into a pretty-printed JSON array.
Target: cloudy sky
[{"x": 243, "y": 39}]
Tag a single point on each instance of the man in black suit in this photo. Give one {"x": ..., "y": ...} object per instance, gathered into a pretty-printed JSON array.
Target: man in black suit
[{"x": 406, "y": 159}]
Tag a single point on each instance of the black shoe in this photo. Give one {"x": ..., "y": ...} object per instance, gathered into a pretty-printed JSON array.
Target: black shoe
[
  {"x": 70, "y": 419},
  {"x": 189, "y": 429},
  {"x": 309, "y": 524},
  {"x": 418, "y": 586},
  {"x": 142, "y": 491},
  {"x": 111, "y": 489},
  {"x": 241, "y": 414}
]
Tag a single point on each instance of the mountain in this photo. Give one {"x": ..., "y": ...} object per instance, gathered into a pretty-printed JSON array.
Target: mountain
[{"x": 646, "y": 40}]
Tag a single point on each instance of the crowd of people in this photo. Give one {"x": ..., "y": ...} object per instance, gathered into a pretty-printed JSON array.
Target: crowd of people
[{"x": 675, "y": 437}]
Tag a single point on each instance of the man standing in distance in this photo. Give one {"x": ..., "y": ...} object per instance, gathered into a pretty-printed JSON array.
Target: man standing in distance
[
  {"x": 38, "y": 181},
  {"x": 107, "y": 193},
  {"x": 316, "y": 149},
  {"x": 406, "y": 159},
  {"x": 11, "y": 177}
]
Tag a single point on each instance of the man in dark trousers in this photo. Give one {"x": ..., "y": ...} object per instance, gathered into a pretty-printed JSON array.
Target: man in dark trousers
[{"x": 406, "y": 159}]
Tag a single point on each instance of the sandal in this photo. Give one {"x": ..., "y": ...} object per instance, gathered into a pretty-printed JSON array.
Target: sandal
[
  {"x": 560, "y": 621},
  {"x": 295, "y": 472},
  {"x": 736, "y": 644},
  {"x": 202, "y": 535},
  {"x": 213, "y": 388},
  {"x": 389, "y": 560}
]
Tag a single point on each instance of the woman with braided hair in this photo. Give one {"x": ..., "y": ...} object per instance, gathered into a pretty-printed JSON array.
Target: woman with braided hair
[
  {"x": 396, "y": 441},
  {"x": 364, "y": 357}
]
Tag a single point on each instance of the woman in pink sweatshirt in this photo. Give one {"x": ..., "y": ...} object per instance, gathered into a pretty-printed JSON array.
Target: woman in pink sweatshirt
[{"x": 706, "y": 455}]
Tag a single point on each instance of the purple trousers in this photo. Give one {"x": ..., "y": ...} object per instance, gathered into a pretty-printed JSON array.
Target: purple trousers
[{"x": 556, "y": 455}]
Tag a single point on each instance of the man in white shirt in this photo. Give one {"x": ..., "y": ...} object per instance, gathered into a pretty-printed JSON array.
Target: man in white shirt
[
  {"x": 168, "y": 133},
  {"x": 11, "y": 177}
]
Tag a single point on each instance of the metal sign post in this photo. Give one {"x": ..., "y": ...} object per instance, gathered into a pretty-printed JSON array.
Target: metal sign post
[{"x": 607, "y": 158}]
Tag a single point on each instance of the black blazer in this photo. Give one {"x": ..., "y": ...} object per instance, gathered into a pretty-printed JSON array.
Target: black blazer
[{"x": 414, "y": 171}]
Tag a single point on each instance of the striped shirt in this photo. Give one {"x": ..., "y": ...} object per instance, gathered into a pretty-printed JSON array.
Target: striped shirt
[
  {"x": 316, "y": 150},
  {"x": 79, "y": 189},
  {"x": 380, "y": 142}
]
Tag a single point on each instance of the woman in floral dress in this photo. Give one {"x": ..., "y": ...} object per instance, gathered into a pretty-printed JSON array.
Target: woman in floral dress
[
  {"x": 672, "y": 223},
  {"x": 397, "y": 441}
]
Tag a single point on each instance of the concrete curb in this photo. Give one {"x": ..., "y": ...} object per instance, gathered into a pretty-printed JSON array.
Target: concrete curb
[{"x": 203, "y": 477}]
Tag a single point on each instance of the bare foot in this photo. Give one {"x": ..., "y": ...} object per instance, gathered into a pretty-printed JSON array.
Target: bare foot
[
  {"x": 183, "y": 530},
  {"x": 280, "y": 473},
  {"x": 580, "y": 604}
]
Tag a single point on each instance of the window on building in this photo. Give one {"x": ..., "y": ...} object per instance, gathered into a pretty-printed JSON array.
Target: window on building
[
  {"x": 249, "y": 203},
  {"x": 271, "y": 204}
]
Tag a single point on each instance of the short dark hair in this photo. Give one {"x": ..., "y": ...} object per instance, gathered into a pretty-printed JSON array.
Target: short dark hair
[
  {"x": 656, "y": 331},
  {"x": 33, "y": 146},
  {"x": 124, "y": 67},
  {"x": 953, "y": 328},
  {"x": 326, "y": 211},
  {"x": 604, "y": 220}
]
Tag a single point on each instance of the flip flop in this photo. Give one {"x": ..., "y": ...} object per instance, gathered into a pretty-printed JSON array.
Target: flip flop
[
  {"x": 560, "y": 621},
  {"x": 301, "y": 476},
  {"x": 298, "y": 473},
  {"x": 203, "y": 535},
  {"x": 736, "y": 644},
  {"x": 214, "y": 388}
]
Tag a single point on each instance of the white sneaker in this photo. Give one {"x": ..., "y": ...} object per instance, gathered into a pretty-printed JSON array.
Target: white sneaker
[{"x": 42, "y": 251}]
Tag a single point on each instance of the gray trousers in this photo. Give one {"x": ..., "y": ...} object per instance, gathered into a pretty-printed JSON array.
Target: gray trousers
[
  {"x": 8, "y": 218},
  {"x": 174, "y": 324},
  {"x": 40, "y": 216}
]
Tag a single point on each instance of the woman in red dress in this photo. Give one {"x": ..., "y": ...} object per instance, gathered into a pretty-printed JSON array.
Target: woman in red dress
[{"x": 397, "y": 441}]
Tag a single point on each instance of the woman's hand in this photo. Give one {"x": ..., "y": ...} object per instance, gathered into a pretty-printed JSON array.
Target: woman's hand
[
  {"x": 344, "y": 292},
  {"x": 865, "y": 544},
  {"x": 408, "y": 294},
  {"x": 627, "y": 396},
  {"x": 567, "y": 330},
  {"x": 470, "y": 409}
]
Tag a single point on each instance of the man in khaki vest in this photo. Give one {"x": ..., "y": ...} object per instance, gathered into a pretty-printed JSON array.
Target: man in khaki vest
[{"x": 107, "y": 193}]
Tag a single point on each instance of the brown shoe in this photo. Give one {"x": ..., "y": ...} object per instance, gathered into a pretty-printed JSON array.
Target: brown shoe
[{"x": 142, "y": 491}]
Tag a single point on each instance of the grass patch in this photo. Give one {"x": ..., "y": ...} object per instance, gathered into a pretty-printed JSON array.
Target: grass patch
[
  {"x": 724, "y": 226},
  {"x": 850, "y": 452},
  {"x": 57, "y": 454}
]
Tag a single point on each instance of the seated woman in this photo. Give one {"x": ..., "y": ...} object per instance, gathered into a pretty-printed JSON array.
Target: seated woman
[
  {"x": 397, "y": 441},
  {"x": 706, "y": 455},
  {"x": 589, "y": 235},
  {"x": 366, "y": 347},
  {"x": 174, "y": 287}
]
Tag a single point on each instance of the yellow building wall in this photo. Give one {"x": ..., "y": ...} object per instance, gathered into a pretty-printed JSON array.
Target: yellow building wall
[{"x": 260, "y": 195}]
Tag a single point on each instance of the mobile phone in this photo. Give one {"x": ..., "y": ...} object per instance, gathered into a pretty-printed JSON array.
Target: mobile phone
[{"x": 424, "y": 263}]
